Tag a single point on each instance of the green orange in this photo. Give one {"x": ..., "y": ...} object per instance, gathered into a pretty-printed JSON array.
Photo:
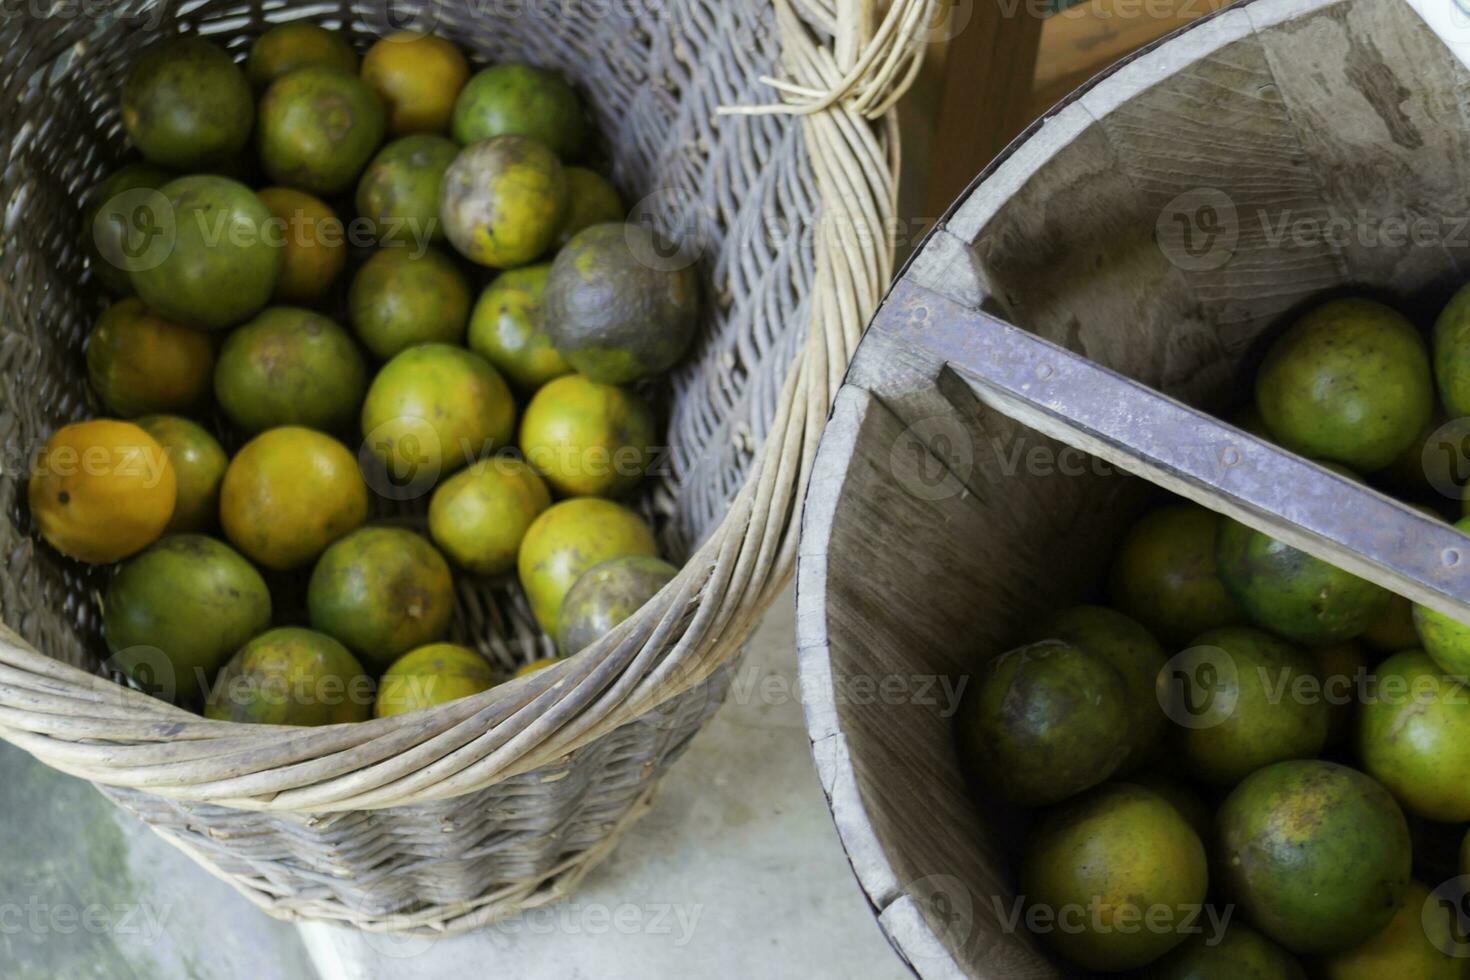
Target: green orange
[
  {"x": 318, "y": 129},
  {"x": 521, "y": 100},
  {"x": 479, "y": 516},
  {"x": 315, "y": 245},
  {"x": 382, "y": 591},
  {"x": 591, "y": 200},
  {"x": 508, "y": 329},
  {"x": 287, "y": 47},
  {"x": 587, "y": 438},
  {"x": 199, "y": 465},
  {"x": 430, "y": 675},
  {"x": 503, "y": 201},
  {"x": 290, "y": 366},
  {"x": 291, "y": 676},
  {"x": 399, "y": 190},
  {"x": 401, "y": 297},
  {"x": 569, "y": 538},
  {"x": 418, "y": 77},
  {"x": 186, "y": 104}
]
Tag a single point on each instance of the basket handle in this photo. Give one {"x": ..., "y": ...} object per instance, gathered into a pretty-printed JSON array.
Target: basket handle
[{"x": 1189, "y": 452}]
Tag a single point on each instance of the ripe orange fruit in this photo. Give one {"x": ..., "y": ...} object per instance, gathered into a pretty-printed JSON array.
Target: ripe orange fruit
[
  {"x": 102, "y": 490},
  {"x": 138, "y": 362},
  {"x": 418, "y": 77}
]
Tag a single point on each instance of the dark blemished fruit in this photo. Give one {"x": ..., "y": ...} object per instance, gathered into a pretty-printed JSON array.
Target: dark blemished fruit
[
  {"x": 1260, "y": 718},
  {"x": 1316, "y": 854},
  {"x": 382, "y": 591},
  {"x": 569, "y": 538},
  {"x": 479, "y": 516},
  {"x": 400, "y": 298},
  {"x": 1133, "y": 651},
  {"x": 194, "y": 599},
  {"x": 287, "y": 47},
  {"x": 503, "y": 200},
  {"x": 433, "y": 408},
  {"x": 519, "y": 100},
  {"x": 318, "y": 129},
  {"x": 1349, "y": 382},
  {"x": 225, "y": 259},
  {"x": 291, "y": 676},
  {"x": 508, "y": 328},
  {"x": 186, "y": 105},
  {"x": 138, "y": 362},
  {"x": 588, "y": 439},
  {"x": 606, "y": 595},
  {"x": 1045, "y": 722},
  {"x": 591, "y": 200},
  {"x": 110, "y": 230},
  {"x": 1118, "y": 854},
  {"x": 289, "y": 493},
  {"x": 1165, "y": 575},
  {"x": 290, "y": 366},
  {"x": 430, "y": 675},
  {"x": 199, "y": 464},
  {"x": 1295, "y": 594},
  {"x": 615, "y": 312},
  {"x": 399, "y": 190},
  {"x": 1413, "y": 736}
]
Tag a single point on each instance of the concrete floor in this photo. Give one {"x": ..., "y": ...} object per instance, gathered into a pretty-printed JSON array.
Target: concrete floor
[{"x": 737, "y": 872}]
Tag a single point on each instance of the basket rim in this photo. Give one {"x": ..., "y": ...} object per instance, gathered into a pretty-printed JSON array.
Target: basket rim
[{"x": 91, "y": 727}]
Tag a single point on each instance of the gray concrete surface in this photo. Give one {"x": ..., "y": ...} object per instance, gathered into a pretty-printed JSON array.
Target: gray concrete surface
[
  {"x": 88, "y": 891},
  {"x": 736, "y": 873}
]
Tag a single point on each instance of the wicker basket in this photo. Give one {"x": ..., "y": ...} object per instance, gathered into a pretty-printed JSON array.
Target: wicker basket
[
  {"x": 451, "y": 817},
  {"x": 975, "y": 476}
]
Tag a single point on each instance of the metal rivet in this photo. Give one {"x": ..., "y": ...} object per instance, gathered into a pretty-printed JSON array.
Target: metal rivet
[
  {"x": 921, "y": 313},
  {"x": 1229, "y": 456},
  {"x": 1043, "y": 371},
  {"x": 1451, "y": 557}
]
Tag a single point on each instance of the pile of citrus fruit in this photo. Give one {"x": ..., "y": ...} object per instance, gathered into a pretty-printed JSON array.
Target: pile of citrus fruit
[
  {"x": 482, "y": 325},
  {"x": 1249, "y": 762}
]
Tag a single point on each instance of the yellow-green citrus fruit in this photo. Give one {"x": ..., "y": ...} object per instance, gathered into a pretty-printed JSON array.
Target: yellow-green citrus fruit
[
  {"x": 291, "y": 676},
  {"x": 1414, "y": 736},
  {"x": 588, "y": 439},
  {"x": 287, "y": 47},
  {"x": 607, "y": 594},
  {"x": 290, "y": 366},
  {"x": 318, "y": 128},
  {"x": 433, "y": 408},
  {"x": 1349, "y": 382},
  {"x": 430, "y": 675},
  {"x": 400, "y": 298},
  {"x": 382, "y": 591},
  {"x": 399, "y": 191},
  {"x": 1165, "y": 574},
  {"x": 503, "y": 201},
  {"x": 199, "y": 465},
  {"x": 508, "y": 329},
  {"x": 479, "y": 516},
  {"x": 289, "y": 493},
  {"x": 1126, "y": 853},
  {"x": 418, "y": 77},
  {"x": 591, "y": 200},
  {"x": 569, "y": 538},
  {"x": 519, "y": 100}
]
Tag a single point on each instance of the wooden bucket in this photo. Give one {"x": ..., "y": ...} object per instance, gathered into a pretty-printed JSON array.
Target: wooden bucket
[{"x": 1150, "y": 234}]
